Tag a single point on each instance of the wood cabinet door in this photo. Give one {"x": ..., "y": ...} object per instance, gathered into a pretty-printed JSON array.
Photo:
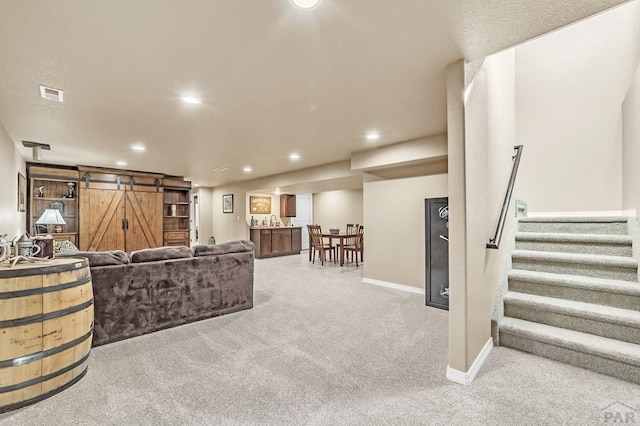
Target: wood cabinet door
[
  {"x": 102, "y": 214},
  {"x": 144, "y": 220},
  {"x": 265, "y": 242},
  {"x": 296, "y": 240},
  {"x": 287, "y": 205},
  {"x": 280, "y": 241}
]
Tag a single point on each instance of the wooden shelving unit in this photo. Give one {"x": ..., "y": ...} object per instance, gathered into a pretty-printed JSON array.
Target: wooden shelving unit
[
  {"x": 176, "y": 212},
  {"x": 55, "y": 187}
]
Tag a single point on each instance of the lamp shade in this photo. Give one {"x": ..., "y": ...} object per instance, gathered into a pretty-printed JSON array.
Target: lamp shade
[{"x": 51, "y": 217}]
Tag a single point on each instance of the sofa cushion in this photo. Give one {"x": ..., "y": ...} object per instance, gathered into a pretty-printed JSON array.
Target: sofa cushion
[
  {"x": 224, "y": 248},
  {"x": 101, "y": 258},
  {"x": 160, "y": 253}
]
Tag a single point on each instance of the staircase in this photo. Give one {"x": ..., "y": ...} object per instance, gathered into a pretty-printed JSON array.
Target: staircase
[{"x": 574, "y": 294}]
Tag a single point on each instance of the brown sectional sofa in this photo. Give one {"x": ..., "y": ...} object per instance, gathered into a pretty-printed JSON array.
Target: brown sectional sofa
[{"x": 153, "y": 289}]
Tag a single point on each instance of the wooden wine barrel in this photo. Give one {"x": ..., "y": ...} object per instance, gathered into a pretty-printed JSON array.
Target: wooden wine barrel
[{"x": 46, "y": 328}]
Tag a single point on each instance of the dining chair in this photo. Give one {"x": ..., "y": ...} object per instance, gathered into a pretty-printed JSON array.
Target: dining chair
[
  {"x": 352, "y": 228},
  {"x": 318, "y": 245},
  {"x": 357, "y": 246}
]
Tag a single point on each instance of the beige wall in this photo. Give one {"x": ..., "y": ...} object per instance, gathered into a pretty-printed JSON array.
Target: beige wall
[
  {"x": 631, "y": 146},
  {"x": 11, "y": 221},
  {"x": 570, "y": 88},
  {"x": 482, "y": 131},
  {"x": 334, "y": 209},
  {"x": 394, "y": 219}
]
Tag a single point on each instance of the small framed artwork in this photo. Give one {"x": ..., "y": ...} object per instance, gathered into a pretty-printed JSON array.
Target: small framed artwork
[
  {"x": 22, "y": 193},
  {"x": 57, "y": 205},
  {"x": 227, "y": 203}
]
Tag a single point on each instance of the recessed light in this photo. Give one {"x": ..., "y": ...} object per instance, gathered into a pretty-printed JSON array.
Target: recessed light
[
  {"x": 247, "y": 169},
  {"x": 220, "y": 169},
  {"x": 138, "y": 147},
  {"x": 294, "y": 156},
  {"x": 373, "y": 136},
  {"x": 305, "y": 4},
  {"x": 192, "y": 100},
  {"x": 121, "y": 163}
]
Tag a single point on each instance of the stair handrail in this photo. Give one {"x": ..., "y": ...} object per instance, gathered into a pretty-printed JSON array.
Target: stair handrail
[{"x": 494, "y": 243}]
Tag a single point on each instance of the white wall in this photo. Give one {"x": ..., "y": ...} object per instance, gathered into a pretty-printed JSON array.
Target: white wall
[
  {"x": 334, "y": 209},
  {"x": 205, "y": 202},
  {"x": 570, "y": 88},
  {"x": 394, "y": 219},
  {"x": 631, "y": 146},
  {"x": 11, "y": 221}
]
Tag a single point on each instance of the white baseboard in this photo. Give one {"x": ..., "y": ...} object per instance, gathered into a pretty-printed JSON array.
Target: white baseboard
[
  {"x": 624, "y": 213},
  {"x": 394, "y": 286},
  {"x": 466, "y": 378}
]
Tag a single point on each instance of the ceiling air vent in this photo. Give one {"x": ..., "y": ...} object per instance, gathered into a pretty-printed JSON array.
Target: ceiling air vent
[{"x": 52, "y": 94}]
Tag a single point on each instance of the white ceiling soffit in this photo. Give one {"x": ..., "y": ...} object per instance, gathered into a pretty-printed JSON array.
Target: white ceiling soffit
[{"x": 272, "y": 79}]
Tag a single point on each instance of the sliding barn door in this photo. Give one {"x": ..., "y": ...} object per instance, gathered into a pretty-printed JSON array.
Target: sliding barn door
[
  {"x": 119, "y": 212},
  {"x": 102, "y": 213},
  {"x": 144, "y": 220}
]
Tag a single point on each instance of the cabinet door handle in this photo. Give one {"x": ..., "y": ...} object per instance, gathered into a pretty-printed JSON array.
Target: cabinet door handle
[{"x": 125, "y": 224}]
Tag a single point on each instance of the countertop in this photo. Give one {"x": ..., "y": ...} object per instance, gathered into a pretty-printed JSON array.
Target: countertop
[{"x": 275, "y": 227}]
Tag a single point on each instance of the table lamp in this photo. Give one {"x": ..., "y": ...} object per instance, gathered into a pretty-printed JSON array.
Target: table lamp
[{"x": 52, "y": 217}]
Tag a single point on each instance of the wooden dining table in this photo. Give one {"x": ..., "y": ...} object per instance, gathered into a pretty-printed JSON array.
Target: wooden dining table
[{"x": 341, "y": 236}]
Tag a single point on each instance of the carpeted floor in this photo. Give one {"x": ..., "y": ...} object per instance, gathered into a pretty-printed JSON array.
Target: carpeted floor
[{"x": 321, "y": 348}]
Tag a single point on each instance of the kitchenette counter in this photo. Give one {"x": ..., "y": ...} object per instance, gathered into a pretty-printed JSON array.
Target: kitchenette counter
[{"x": 273, "y": 241}]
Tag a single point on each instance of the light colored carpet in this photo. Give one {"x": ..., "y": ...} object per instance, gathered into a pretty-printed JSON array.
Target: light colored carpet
[{"x": 321, "y": 348}]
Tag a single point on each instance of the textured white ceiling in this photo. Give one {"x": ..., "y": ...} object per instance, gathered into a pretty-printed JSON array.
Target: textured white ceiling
[{"x": 273, "y": 79}]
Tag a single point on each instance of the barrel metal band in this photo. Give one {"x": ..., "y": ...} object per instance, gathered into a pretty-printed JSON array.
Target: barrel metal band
[
  {"x": 39, "y": 355},
  {"x": 44, "y": 378},
  {"x": 43, "y": 290},
  {"x": 44, "y": 317},
  {"x": 44, "y": 270},
  {"x": 46, "y": 395}
]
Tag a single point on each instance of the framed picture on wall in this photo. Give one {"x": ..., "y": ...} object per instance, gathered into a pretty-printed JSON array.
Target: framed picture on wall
[
  {"x": 227, "y": 203},
  {"x": 259, "y": 205},
  {"x": 22, "y": 193}
]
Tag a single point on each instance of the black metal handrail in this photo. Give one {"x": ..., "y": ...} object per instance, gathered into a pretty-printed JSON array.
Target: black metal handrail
[{"x": 494, "y": 242}]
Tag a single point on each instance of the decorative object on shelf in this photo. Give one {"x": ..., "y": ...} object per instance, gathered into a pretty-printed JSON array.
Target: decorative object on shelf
[
  {"x": 212, "y": 241},
  {"x": 26, "y": 247},
  {"x": 71, "y": 190},
  {"x": 52, "y": 217},
  {"x": 57, "y": 205},
  {"x": 259, "y": 205},
  {"x": 39, "y": 191},
  {"x": 22, "y": 192},
  {"x": 46, "y": 246},
  {"x": 174, "y": 210},
  {"x": 5, "y": 248},
  {"x": 227, "y": 203}
]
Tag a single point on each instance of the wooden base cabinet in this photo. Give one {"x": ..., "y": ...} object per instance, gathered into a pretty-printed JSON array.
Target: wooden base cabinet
[{"x": 276, "y": 241}]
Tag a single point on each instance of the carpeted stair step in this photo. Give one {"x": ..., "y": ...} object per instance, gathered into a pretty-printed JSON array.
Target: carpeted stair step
[
  {"x": 610, "y": 245},
  {"x": 590, "y": 265},
  {"x": 607, "y": 356},
  {"x": 605, "y": 321},
  {"x": 575, "y": 225},
  {"x": 615, "y": 293}
]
